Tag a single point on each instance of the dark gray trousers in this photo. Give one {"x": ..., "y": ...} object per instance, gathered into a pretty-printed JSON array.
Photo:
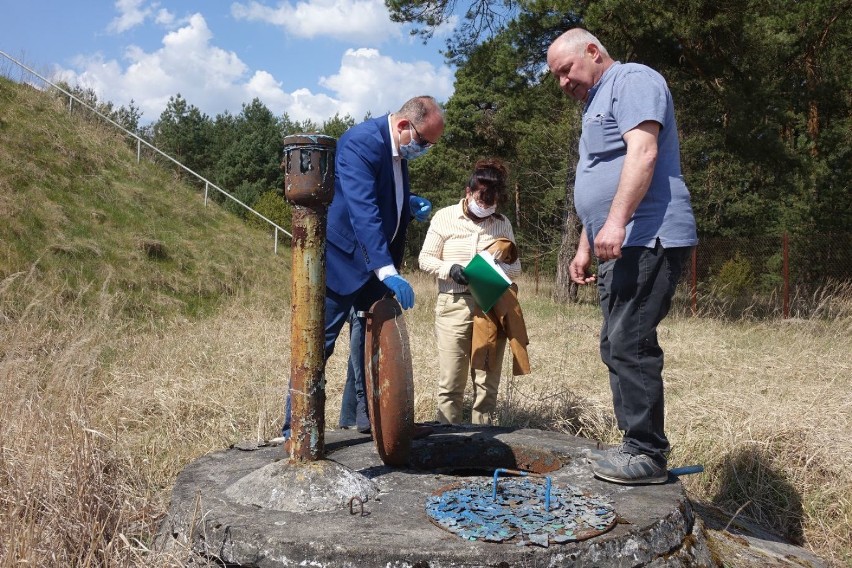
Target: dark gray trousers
[{"x": 635, "y": 294}]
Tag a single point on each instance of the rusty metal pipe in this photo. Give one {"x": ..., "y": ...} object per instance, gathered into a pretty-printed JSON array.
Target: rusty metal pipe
[{"x": 308, "y": 165}]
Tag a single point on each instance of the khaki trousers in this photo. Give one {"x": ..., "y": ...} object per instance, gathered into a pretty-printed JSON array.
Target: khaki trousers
[{"x": 453, "y": 333}]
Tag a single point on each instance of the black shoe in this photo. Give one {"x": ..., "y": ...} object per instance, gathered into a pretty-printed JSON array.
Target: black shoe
[{"x": 362, "y": 424}]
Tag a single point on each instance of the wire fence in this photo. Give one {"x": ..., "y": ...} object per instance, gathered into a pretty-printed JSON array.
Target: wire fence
[
  {"x": 769, "y": 276},
  {"x": 784, "y": 276}
]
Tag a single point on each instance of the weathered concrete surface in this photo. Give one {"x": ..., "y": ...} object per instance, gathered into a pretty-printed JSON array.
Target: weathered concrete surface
[
  {"x": 741, "y": 544},
  {"x": 322, "y": 485},
  {"x": 212, "y": 517}
]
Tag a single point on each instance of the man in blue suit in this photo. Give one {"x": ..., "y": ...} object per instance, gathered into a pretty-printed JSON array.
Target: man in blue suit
[{"x": 369, "y": 215}]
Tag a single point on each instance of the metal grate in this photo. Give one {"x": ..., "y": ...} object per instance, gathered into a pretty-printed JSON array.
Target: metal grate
[{"x": 526, "y": 510}]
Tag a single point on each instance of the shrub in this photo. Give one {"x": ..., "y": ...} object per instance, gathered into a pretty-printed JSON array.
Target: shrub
[
  {"x": 735, "y": 277},
  {"x": 275, "y": 208}
]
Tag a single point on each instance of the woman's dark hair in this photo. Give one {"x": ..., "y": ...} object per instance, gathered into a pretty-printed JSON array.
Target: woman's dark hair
[{"x": 489, "y": 178}]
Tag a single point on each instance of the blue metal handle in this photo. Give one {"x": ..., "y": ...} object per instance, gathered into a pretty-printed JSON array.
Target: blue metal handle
[
  {"x": 547, "y": 479},
  {"x": 687, "y": 470}
]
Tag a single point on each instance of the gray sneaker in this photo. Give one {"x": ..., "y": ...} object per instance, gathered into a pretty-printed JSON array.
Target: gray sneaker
[
  {"x": 628, "y": 469},
  {"x": 599, "y": 453}
]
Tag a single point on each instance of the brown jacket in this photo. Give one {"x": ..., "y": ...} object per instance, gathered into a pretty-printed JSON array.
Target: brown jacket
[{"x": 505, "y": 319}]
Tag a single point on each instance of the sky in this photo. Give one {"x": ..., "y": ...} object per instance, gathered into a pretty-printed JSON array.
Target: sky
[{"x": 310, "y": 59}]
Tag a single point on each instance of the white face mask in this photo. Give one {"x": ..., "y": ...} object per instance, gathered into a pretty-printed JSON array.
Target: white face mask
[{"x": 479, "y": 211}]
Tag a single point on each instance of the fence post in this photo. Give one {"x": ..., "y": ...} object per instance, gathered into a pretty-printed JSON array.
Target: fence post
[
  {"x": 693, "y": 285},
  {"x": 785, "y": 247},
  {"x": 536, "y": 274},
  {"x": 138, "y": 150}
]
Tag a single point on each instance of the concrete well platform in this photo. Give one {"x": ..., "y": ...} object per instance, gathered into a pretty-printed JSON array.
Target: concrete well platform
[{"x": 249, "y": 507}]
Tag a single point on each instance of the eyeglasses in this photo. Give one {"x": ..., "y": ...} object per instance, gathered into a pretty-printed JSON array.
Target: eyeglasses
[{"x": 422, "y": 140}]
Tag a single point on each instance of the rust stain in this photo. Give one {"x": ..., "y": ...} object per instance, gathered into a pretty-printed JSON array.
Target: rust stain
[{"x": 390, "y": 382}]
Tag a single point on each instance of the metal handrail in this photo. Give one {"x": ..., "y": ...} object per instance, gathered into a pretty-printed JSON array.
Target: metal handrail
[{"x": 139, "y": 141}]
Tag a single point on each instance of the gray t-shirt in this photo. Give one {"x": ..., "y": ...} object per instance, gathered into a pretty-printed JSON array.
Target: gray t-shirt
[{"x": 627, "y": 95}]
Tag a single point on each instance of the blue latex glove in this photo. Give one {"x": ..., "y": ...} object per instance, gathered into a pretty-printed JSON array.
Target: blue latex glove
[
  {"x": 420, "y": 207},
  {"x": 401, "y": 289}
]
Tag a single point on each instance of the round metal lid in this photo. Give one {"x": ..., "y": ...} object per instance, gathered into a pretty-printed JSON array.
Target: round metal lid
[{"x": 522, "y": 510}]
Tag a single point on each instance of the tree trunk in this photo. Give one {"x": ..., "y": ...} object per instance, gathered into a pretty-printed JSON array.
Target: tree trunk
[{"x": 565, "y": 290}]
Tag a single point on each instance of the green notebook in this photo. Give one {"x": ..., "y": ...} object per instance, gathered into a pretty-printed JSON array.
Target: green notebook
[{"x": 486, "y": 280}]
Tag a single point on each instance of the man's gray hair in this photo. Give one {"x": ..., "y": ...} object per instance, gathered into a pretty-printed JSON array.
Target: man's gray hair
[
  {"x": 575, "y": 40},
  {"x": 418, "y": 108}
]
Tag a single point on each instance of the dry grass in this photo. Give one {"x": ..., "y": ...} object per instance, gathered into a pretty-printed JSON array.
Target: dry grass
[
  {"x": 118, "y": 367},
  {"x": 98, "y": 418}
]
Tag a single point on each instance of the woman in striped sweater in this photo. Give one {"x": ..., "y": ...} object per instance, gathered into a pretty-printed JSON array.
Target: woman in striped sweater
[{"x": 456, "y": 234}]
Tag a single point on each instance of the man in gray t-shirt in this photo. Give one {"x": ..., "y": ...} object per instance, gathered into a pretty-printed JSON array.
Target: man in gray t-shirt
[{"x": 638, "y": 222}]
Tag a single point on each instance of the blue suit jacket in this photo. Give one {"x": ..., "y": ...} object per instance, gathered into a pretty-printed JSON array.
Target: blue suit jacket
[{"x": 362, "y": 217}]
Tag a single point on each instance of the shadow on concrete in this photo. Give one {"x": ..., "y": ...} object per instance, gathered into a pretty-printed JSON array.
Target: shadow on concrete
[
  {"x": 479, "y": 450},
  {"x": 347, "y": 443},
  {"x": 753, "y": 492}
]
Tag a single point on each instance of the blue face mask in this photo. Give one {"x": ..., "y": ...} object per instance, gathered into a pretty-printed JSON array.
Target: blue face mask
[{"x": 413, "y": 149}]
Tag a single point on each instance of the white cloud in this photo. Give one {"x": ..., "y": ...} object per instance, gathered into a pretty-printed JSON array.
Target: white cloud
[
  {"x": 187, "y": 63},
  {"x": 447, "y": 28},
  {"x": 370, "y": 81},
  {"x": 132, "y": 13},
  {"x": 366, "y": 82},
  {"x": 215, "y": 80},
  {"x": 354, "y": 21},
  {"x": 164, "y": 18}
]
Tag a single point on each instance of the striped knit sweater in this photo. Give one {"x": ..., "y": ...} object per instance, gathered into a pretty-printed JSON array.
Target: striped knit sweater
[{"x": 454, "y": 238}]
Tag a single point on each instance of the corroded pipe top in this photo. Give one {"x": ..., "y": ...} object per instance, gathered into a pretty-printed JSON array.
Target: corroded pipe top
[{"x": 308, "y": 165}]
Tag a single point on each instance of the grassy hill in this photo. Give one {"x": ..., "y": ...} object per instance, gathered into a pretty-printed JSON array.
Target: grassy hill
[
  {"x": 101, "y": 259},
  {"x": 81, "y": 217},
  {"x": 140, "y": 329}
]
